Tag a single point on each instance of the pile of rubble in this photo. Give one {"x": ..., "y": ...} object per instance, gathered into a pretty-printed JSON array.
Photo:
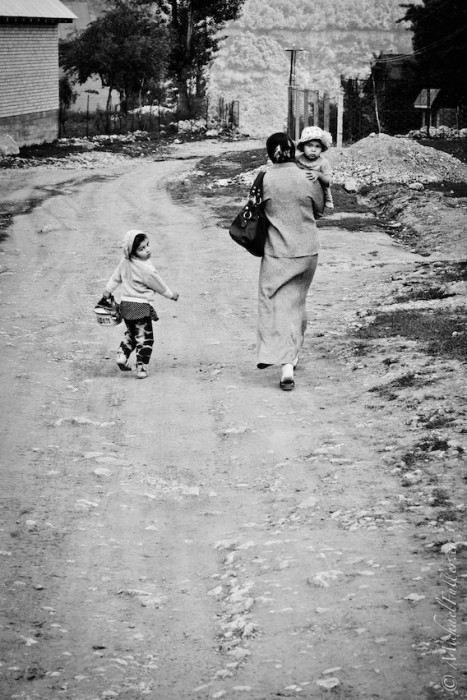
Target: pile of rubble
[
  {"x": 86, "y": 161},
  {"x": 379, "y": 158},
  {"x": 437, "y": 132}
]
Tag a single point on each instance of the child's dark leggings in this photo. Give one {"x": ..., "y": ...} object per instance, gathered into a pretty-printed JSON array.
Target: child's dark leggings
[{"x": 138, "y": 336}]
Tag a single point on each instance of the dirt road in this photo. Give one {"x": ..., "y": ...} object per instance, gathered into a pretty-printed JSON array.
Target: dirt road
[{"x": 200, "y": 534}]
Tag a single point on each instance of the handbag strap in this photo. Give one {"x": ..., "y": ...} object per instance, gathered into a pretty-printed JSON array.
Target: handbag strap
[{"x": 256, "y": 190}]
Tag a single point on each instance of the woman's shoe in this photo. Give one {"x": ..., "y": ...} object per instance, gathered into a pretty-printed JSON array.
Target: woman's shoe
[
  {"x": 287, "y": 384},
  {"x": 141, "y": 371},
  {"x": 122, "y": 361}
]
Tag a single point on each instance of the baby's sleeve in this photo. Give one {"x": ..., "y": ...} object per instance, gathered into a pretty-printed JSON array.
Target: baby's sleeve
[{"x": 326, "y": 168}]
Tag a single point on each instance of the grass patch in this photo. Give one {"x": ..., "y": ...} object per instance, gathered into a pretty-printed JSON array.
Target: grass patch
[
  {"x": 351, "y": 223},
  {"x": 421, "y": 449},
  {"x": 425, "y": 292},
  {"x": 430, "y": 281},
  {"x": 440, "y": 497},
  {"x": 454, "y": 272},
  {"x": 348, "y": 201},
  {"x": 231, "y": 164},
  {"x": 440, "y": 332},
  {"x": 449, "y": 189},
  {"x": 455, "y": 147},
  {"x": 226, "y": 202}
]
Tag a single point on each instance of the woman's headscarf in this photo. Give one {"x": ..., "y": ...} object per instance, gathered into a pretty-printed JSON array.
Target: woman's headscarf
[
  {"x": 280, "y": 148},
  {"x": 129, "y": 241}
]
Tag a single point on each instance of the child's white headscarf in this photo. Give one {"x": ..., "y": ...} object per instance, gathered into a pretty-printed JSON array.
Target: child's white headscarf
[{"x": 128, "y": 242}]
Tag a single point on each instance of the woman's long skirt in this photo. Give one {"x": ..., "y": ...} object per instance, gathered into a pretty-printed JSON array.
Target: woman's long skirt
[{"x": 282, "y": 320}]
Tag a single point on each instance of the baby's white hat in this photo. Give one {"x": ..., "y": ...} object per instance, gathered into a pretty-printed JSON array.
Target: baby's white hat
[{"x": 315, "y": 133}]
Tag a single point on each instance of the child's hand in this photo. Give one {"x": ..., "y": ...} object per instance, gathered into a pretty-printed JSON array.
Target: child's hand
[
  {"x": 175, "y": 296},
  {"x": 312, "y": 175},
  {"x": 106, "y": 301}
]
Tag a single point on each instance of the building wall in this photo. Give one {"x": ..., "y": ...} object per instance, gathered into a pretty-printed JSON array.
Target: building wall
[
  {"x": 29, "y": 98},
  {"x": 32, "y": 128}
]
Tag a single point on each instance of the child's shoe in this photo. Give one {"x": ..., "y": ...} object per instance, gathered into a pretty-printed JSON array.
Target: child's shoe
[
  {"x": 122, "y": 361},
  {"x": 141, "y": 370}
]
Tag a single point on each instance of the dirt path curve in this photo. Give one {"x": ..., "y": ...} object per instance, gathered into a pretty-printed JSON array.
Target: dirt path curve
[{"x": 200, "y": 534}]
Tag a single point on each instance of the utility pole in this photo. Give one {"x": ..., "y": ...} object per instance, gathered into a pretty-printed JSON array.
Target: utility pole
[
  {"x": 293, "y": 63},
  {"x": 292, "y": 91}
]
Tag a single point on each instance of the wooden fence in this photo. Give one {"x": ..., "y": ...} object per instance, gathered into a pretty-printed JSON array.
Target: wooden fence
[{"x": 308, "y": 107}]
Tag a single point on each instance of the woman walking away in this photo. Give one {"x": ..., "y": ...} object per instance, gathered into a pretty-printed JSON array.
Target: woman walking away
[
  {"x": 289, "y": 261},
  {"x": 139, "y": 280}
]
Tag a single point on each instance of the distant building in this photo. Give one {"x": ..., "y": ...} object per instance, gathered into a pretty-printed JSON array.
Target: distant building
[
  {"x": 438, "y": 108},
  {"x": 29, "y": 72}
]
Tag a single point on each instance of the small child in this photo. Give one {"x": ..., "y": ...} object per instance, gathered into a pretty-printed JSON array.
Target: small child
[
  {"x": 310, "y": 146},
  {"x": 139, "y": 280}
]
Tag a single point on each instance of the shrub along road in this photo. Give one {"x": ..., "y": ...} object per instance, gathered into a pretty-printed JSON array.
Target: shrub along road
[{"x": 202, "y": 534}]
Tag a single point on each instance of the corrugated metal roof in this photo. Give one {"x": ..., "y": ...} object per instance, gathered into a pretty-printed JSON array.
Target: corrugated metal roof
[
  {"x": 423, "y": 100},
  {"x": 35, "y": 9}
]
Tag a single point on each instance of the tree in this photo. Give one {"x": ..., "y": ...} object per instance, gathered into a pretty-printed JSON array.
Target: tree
[
  {"x": 194, "y": 26},
  {"x": 67, "y": 97},
  {"x": 440, "y": 43},
  {"x": 125, "y": 48}
]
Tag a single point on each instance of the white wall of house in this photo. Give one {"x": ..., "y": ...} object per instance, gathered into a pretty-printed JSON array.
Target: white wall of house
[{"x": 29, "y": 96}]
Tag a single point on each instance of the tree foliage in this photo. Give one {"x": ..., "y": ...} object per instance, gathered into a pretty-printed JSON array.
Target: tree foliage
[
  {"x": 125, "y": 47},
  {"x": 137, "y": 41},
  {"x": 440, "y": 42},
  {"x": 320, "y": 15},
  {"x": 194, "y": 27}
]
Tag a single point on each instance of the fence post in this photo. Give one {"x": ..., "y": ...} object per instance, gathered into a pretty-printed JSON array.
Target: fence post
[
  {"x": 375, "y": 97},
  {"x": 428, "y": 111},
  {"x": 290, "y": 110},
  {"x": 315, "y": 103},
  {"x": 326, "y": 111},
  {"x": 236, "y": 113},
  {"x": 306, "y": 107},
  {"x": 340, "y": 118},
  {"x": 221, "y": 110},
  {"x": 297, "y": 114}
]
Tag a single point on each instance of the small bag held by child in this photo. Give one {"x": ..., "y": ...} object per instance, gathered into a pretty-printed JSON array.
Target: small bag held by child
[
  {"x": 249, "y": 228},
  {"x": 108, "y": 312}
]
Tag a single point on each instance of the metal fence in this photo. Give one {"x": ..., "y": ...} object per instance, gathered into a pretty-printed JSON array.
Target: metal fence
[
  {"x": 368, "y": 106},
  {"x": 228, "y": 113},
  {"x": 397, "y": 107},
  {"x": 131, "y": 117},
  {"x": 117, "y": 119}
]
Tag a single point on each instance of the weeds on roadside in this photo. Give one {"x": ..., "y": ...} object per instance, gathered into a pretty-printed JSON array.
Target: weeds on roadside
[{"x": 440, "y": 332}]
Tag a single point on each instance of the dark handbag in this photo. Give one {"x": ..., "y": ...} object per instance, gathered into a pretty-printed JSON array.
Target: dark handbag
[{"x": 250, "y": 227}]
